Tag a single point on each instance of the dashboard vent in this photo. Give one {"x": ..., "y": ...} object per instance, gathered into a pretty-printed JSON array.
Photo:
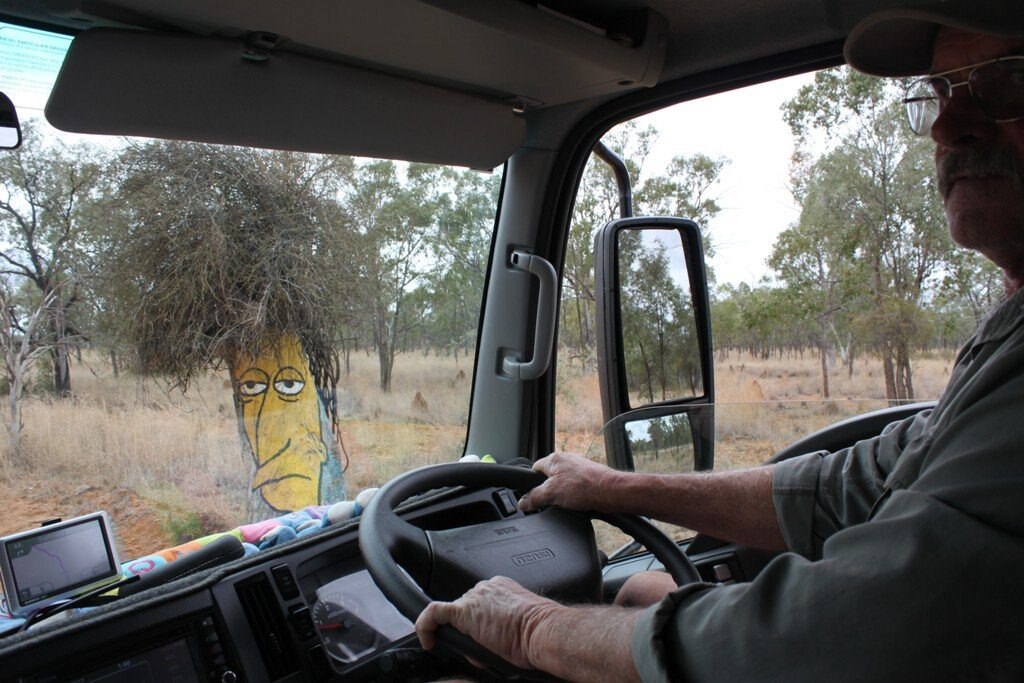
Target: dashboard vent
[{"x": 269, "y": 628}]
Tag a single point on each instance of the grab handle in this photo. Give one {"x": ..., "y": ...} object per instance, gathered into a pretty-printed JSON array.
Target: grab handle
[{"x": 544, "y": 331}]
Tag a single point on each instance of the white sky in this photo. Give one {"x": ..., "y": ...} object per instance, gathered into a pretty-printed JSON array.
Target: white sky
[{"x": 745, "y": 126}]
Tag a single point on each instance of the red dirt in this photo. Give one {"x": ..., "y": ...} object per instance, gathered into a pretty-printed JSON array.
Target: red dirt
[{"x": 25, "y": 504}]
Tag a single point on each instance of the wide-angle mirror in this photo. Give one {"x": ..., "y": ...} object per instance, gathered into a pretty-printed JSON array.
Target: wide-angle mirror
[{"x": 10, "y": 129}]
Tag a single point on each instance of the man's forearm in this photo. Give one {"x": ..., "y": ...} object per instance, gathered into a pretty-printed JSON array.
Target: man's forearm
[
  {"x": 583, "y": 643},
  {"x": 733, "y": 505}
]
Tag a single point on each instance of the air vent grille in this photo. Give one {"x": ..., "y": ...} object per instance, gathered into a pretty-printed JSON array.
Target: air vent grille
[{"x": 269, "y": 628}]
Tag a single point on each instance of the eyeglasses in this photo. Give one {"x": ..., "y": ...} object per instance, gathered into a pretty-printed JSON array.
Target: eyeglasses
[{"x": 996, "y": 86}]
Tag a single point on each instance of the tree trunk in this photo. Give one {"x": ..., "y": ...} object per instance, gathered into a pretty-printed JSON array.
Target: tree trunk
[
  {"x": 823, "y": 352},
  {"x": 113, "y": 363},
  {"x": 647, "y": 370},
  {"x": 59, "y": 353},
  {"x": 381, "y": 342},
  {"x": 61, "y": 371},
  {"x": 300, "y": 430},
  {"x": 347, "y": 353},
  {"x": 580, "y": 321},
  {"x": 384, "y": 358},
  {"x": 904, "y": 379},
  {"x": 661, "y": 362},
  {"x": 14, "y": 417},
  {"x": 889, "y": 370}
]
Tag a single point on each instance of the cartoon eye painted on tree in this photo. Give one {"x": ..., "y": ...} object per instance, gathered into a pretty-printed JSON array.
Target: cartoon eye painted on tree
[
  {"x": 289, "y": 382},
  {"x": 252, "y": 383}
]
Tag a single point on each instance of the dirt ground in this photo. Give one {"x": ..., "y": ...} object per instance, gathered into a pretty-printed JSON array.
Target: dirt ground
[{"x": 26, "y": 504}]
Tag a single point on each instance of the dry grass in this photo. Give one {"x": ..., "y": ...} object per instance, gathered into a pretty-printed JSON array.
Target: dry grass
[
  {"x": 761, "y": 406},
  {"x": 179, "y": 452}
]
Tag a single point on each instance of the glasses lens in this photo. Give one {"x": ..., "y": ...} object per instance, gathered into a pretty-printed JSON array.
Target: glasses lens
[
  {"x": 998, "y": 88},
  {"x": 922, "y": 102}
]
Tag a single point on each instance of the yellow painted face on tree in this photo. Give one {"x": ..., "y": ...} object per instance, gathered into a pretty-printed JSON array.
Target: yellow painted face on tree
[{"x": 281, "y": 415}]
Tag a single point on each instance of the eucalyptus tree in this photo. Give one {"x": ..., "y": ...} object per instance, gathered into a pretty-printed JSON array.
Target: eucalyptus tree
[
  {"x": 395, "y": 223},
  {"x": 459, "y": 252},
  {"x": 867, "y": 181},
  {"x": 50, "y": 192}
]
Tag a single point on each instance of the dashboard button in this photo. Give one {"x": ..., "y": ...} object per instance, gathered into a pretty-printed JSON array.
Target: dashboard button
[
  {"x": 285, "y": 582},
  {"x": 506, "y": 502},
  {"x": 303, "y": 622},
  {"x": 318, "y": 662}
]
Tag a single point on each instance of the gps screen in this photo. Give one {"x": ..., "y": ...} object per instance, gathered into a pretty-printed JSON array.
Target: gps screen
[{"x": 50, "y": 563}]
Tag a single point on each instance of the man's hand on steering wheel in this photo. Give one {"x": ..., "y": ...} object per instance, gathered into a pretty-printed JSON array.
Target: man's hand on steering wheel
[
  {"x": 498, "y": 613},
  {"x": 573, "y": 482}
]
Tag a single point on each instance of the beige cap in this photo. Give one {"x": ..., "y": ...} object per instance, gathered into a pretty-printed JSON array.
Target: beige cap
[{"x": 898, "y": 41}]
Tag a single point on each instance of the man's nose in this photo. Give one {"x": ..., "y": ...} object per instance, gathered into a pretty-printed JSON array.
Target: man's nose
[{"x": 961, "y": 122}]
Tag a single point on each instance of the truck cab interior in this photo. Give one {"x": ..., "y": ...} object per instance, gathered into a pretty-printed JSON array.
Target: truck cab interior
[{"x": 525, "y": 87}]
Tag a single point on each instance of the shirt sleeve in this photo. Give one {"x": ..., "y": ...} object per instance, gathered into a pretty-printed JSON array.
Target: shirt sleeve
[
  {"x": 920, "y": 606},
  {"x": 817, "y": 494}
]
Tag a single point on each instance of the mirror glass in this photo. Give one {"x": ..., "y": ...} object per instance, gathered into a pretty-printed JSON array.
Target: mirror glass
[
  {"x": 659, "y": 328},
  {"x": 10, "y": 130},
  {"x": 662, "y": 445},
  {"x": 9, "y": 137}
]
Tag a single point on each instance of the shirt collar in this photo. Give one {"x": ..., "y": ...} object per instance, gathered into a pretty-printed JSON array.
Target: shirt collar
[{"x": 1003, "y": 320}]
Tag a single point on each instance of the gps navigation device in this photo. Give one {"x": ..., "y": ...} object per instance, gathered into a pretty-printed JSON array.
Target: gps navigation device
[{"x": 65, "y": 559}]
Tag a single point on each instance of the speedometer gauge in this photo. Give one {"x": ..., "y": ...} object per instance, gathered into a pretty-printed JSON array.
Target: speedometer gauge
[
  {"x": 345, "y": 636},
  {"x": 354, "y": 620}
]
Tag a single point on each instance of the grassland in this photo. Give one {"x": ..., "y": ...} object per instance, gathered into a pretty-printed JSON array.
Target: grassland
[{"x": 169, "y": 466}]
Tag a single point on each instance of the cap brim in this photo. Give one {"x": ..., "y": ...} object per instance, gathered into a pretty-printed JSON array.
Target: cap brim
[{"x": 898, "y": 42}]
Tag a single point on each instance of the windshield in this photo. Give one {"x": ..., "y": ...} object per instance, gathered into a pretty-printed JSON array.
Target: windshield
[{"x": 201, "y": 336}]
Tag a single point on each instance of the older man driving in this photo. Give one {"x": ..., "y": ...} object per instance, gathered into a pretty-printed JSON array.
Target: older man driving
[{"x": 904, "y": 551}]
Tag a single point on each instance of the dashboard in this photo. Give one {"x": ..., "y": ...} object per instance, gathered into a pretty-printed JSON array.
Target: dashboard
[{"x": 304, "y": 611}]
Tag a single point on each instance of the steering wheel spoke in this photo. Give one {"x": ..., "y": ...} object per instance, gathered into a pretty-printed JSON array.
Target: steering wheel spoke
[{"x": 410, "y": 547}]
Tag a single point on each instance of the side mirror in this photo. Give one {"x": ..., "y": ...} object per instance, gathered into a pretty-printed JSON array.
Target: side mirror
[
  {"x": 10, "y": 129},
  {"x": 654, "y": 348}
]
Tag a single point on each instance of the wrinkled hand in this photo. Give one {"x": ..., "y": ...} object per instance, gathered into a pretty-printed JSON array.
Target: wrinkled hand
[
  {"x": 498, "y": 613},
  {"x": 574, "y": 482}
]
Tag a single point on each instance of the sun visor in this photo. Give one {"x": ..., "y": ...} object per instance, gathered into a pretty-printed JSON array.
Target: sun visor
[{"x": 120, "y": 82}]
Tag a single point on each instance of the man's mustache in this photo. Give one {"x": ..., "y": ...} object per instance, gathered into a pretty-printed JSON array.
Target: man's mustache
[{"x": 978, "y": 163}]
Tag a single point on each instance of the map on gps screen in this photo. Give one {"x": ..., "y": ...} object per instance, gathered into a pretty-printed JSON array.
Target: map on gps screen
[{"x": 51, "y": 563}]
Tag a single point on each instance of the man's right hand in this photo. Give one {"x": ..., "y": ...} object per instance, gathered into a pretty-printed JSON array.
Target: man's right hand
[{"x": 574, "y": 482}]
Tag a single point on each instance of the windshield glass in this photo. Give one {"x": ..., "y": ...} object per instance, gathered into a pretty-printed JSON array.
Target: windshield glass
[{"x": 202, "y": 336}]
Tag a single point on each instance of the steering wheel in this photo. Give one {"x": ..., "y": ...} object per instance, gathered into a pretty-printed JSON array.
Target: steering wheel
[{"x": 551, "y": 552}]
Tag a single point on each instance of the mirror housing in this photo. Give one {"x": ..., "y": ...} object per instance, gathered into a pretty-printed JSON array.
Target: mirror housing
[{"x": 651, "y": 282}]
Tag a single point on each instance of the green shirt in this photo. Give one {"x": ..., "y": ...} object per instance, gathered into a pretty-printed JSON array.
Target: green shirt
[{"x": 907, "y": 554}]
